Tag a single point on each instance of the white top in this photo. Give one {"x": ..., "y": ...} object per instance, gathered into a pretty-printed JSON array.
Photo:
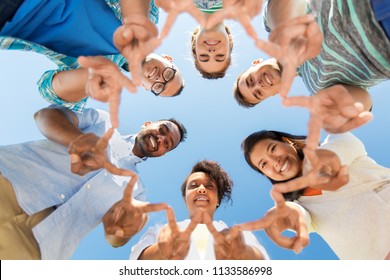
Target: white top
[
  {"x": 201, "y": 247},
  {"x": 355, "y": 219}
]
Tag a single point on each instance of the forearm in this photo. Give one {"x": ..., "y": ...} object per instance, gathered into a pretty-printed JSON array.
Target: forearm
[
  {"x": 134, "y": 7},
  {"x": 151, "y": 253},
  {"x": 69, "y": 85},
  {"x": 60, "y": 126},
  {"x": 279, "y": 11}
]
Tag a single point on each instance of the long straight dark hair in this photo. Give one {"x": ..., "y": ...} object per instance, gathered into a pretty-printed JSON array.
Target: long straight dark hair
[{"x": 297, "y": 141}]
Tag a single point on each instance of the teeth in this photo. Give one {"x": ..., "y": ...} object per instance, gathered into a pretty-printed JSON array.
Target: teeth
[
  {"x": 211, "y": 42},
  {"x": 284, "y": 166},
  {"x": 201, "y": 198},
  {"x": 153, "y": 142},
  {"x": 267, "y": 79},
  {"x": 153, "y": 72}
]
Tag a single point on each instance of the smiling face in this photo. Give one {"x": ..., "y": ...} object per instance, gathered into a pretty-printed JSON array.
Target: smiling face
[
  {"x": 276, "y": 160},
  {"x": 213, "y": 49},
  {"x": 201, "y": 194},
  {"x": 157, "y": 138},
  {"x": 152, "y": 71},
  {"x": 260, "y": 81}
]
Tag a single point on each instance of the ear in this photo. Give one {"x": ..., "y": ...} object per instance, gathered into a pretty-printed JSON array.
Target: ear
[
  {"x": 257, "y": 61},
  {"x": 167, "y": 57},
  {"x": 146, "y": 124}
]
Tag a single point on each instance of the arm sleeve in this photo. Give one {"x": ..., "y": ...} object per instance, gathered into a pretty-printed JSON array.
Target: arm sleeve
[
  {"x": 251, "y": 240},
  {"x": 345, "y": 145},
  {"x": 47, "y": 92},
  {"x": 148, "y": 239}
]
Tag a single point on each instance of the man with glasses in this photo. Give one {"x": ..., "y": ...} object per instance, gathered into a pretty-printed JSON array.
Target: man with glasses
[
  {"x": 160, "y": 76},
  {"x": 47, "y": 208}
]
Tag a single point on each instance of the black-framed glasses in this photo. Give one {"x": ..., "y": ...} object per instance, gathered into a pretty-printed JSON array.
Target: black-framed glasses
[{"x": 168, "y": 75}]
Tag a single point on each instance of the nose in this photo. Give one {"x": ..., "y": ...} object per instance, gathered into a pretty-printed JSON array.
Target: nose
[
  {"x": 160, "y": 138},
  {"x": 211, "y": 49},
  {"x": 201, "y": 189}
]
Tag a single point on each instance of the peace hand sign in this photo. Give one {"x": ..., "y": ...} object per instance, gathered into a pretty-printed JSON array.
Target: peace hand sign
[
  {"x": 135, "y": 41},
  {"x": 242, "y": 10},
  {"x": 105, "y": 83},
  {"x": 174, "y": 244},
  {"x": 174, "y": 8},
  {"x": 88, "y": 152},
  {"x": 278, "y": 219},
  {"x": 127, "y": 216}
]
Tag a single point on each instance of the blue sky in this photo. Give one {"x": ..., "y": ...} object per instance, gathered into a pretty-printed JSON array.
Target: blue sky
[{"x": 216, "y": 126}]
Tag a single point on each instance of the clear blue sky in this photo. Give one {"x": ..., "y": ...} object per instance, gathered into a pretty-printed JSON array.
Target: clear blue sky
[{"x": 216, "y": 126}]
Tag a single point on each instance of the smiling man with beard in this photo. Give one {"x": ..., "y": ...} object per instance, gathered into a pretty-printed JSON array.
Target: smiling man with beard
[{"x": 47, "y": 208}]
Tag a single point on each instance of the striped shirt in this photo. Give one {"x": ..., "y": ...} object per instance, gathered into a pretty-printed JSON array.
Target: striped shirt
[
  {"x": 355, "y": 49},
  {"x": 208, "y": 6},
  {"x": 65, "y": 62}
]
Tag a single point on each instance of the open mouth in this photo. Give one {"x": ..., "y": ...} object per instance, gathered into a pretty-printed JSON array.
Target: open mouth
[
  {"x": 152, "y": 74},
  {"x": 201, "y": 199},
  {"x": 284, "y": 167},
  {"x": 152, "y": 142},
  {"x": 267, "y": 80},
  {"x": 212, "y": 42}
]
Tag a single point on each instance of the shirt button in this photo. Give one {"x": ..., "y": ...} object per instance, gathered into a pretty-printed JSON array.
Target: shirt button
[
  {"x": 105, "y": 173},
  {"x": 62, "y": 196},
  {"x": 88, "y": 186}
]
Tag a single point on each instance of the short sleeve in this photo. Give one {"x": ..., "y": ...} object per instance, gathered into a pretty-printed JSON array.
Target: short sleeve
[
  {"x": 148, "y": 239},
  {"x": 346, "y": 146},
  {"x": 47, "y": 92}
]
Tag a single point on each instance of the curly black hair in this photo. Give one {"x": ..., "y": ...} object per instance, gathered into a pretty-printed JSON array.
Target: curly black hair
[{"x": 217, "y": 174}]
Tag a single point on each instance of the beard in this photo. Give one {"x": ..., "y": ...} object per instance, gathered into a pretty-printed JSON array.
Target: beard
[{"x": 143, "y": 143}]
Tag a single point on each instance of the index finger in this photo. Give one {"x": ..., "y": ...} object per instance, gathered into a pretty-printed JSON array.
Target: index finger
[
  {"x": 171, "y": 18},
  {"x": 128, "y": 192},
  {"x": 215, "y": 19},
  {"x": 246, "y": 23},
  {"x": 171, "y": 219},
  {"x": 114, "y": 100},
  {"x": 293, "y": 185},
  {"x": 155, "y": 207},
  {"x": 197, "y": 14},
  {"x": 102, "y": 143}
]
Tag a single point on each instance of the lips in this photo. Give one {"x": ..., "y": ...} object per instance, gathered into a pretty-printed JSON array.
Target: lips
[{"x": 201, "y": 198}]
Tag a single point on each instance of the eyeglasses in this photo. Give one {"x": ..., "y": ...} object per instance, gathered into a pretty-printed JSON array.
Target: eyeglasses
[{"x": 168, "y": 74}]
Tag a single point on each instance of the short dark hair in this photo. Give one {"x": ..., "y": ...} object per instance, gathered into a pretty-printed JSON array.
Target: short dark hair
[
  {"x": 217, "y": 174},
  {"x": 215, "y": 75},
  {"x": 180, "y": 90},
  {"x": 296, "y": 140},
  {"x": 180, "y": 126},
  {"x": 238, "y": 95}
]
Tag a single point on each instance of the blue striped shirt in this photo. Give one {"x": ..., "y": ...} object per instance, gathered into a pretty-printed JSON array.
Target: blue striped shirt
[{"x": 355, "y": 49}]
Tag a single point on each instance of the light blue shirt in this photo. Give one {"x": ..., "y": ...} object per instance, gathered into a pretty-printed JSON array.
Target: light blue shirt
[{"x": 39, "y": 172}]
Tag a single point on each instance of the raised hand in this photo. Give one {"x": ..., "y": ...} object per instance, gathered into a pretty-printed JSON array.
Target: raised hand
[
  {"x": 173, "y": 8},
  {"x": 228, "y": 244},
  {"x": 241, "y": 10},
  {"x": 280, "y": 218},
  {"x": 322, "y": 170},
  {"x": 127, "y": 216},
  {"x": 333, "y": 109},
  {"x": 135, "y": 40},
  {"x": 105, "y": 83},
  {"x": 88, "y": 152},
  {"x": 174, "y": 244},
  {"x": 295, "y": 41}
]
